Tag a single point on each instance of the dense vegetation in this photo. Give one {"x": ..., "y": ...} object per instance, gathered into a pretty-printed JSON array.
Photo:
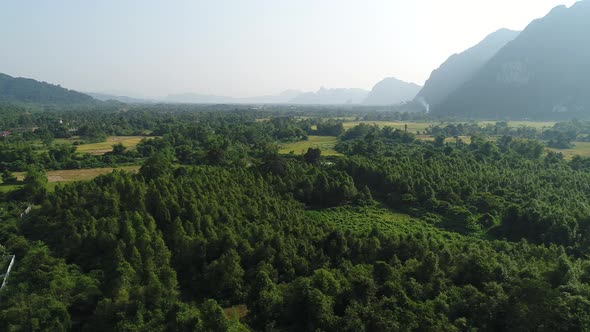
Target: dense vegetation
[{"x": 397, "y": 234}]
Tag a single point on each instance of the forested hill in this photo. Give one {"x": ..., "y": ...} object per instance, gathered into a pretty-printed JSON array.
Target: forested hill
[
  {"x": 543, "y": 73},
  {"x": 460, "y": 68},
  {"x": 26, "y": 90}
]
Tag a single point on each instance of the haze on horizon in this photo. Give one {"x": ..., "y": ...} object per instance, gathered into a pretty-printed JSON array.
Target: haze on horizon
[{"x": 243, "y": 48}]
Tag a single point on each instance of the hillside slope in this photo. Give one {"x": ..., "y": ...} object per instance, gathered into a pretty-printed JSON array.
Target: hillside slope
[{"x": 26, "y": 90}]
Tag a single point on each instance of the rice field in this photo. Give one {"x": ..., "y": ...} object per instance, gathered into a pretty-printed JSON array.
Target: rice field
[{"x": 325, "y": 143}]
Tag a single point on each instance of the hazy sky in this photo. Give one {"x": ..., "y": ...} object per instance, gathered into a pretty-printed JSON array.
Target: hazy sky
[{"x": 243, "y": 47}]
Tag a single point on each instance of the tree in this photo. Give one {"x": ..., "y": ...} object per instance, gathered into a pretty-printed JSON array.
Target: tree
[
  {"x": 264, "y": 302},
  {"x": 156, "y": 166},
  {"x": 35, "y": 187},
  {"x": 214, "y": 319},
  {"x": 312, "y": 156},
  {"x": 439, "y": 140},
  {"x": 119, "y": 149}
]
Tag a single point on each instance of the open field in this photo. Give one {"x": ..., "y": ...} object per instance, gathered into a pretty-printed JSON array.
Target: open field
[
  {"x": 130, "y": 142},
  {"x": 581, "y": 148},
  {"x": 325, "y": 143},
  {"x": 84, "y": 174},
  {"x": 69, "y": 175}
]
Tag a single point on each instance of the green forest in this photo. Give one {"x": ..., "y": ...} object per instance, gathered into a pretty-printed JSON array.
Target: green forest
[{"x": 459, "y": 227}]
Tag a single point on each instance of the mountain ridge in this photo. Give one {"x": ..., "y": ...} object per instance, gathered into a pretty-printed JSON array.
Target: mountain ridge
[{"x": 544, "y": 72}]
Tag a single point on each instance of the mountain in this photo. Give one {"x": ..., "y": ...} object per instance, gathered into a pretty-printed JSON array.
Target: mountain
[
  {"x": 331, "y": 97},
  {"x": 321, "y": 97},
  {"x": 123, "y": 99},
  {"x": 194, "y": 98},
  {"x": 460, "y": 68},
  {"x": 26, "y": 90},
  {"x": 392, "y": 91},
  {"x": 543, "y": 73}
]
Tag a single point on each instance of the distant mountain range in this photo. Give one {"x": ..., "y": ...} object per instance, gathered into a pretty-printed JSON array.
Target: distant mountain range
[
  {"x": 331, "y": 96},
  {"x": 194, "y": 98},
  {"x": 543, "y": 73},
  {"x": 119, "y": 98},
  {"x": 387, "y": 92},
  {"x": 391, "y": 91},
  {"x": 321, "y": 97},
  {"x": 460, "y": 68},
  {"x": 25, "y": 90}
]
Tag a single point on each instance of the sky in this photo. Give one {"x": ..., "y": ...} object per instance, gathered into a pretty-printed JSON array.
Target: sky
[{"x": 240, "y": 48}]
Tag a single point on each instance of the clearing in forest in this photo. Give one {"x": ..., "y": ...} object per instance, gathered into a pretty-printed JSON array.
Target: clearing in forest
[
  {"x": 69, "y": 175},
  {"x": 130, "y": 142},
  {"x": 325, "y": 143}
]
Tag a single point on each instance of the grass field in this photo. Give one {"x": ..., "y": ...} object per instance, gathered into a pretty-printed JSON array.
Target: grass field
[
  {"x": 325, "y": 143},
  {"x": 581, "y": 148},
  {"x": 84, "y": 174},
  {"x": 69, "y": 175},
  {"x": 130, "y": 142}
]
